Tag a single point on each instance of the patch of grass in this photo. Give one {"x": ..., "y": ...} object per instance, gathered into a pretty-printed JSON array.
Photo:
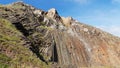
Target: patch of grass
[
  {"x": 45, "y": 27},
  {"x": 1, "y": 5},
  {"x": 8, "y": 27},
  {"x": 8, "y": 32},
  {"x": 12, "y": 45},
  {"x": 3, "y": 65},
  {"x": 4, "y": 61},
  {"x": 43, "y": 23},
  {"x": 16, "y": 6},
  {"x": 4, "y": 58},
  {"x": 6, "y": 24}
]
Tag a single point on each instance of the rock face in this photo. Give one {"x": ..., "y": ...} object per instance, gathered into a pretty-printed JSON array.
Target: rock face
[
  {"x": 62, "y": 42},
  {"x": 52, "y": 13},
  {"x": 67, "y": 21}
]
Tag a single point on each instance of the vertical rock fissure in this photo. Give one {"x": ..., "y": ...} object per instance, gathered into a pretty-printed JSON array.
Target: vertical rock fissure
[
  {"x": 54, "y": 57},
  {"x": 35, "y": 49},
  {"x": 58, "y": 48}
]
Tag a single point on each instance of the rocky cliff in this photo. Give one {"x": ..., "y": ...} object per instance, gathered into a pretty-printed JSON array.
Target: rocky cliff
[{"x": 33, "y": 38}]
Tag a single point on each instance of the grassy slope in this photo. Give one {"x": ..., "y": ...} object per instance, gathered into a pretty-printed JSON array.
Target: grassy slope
[{"x": 12, "y": 52}]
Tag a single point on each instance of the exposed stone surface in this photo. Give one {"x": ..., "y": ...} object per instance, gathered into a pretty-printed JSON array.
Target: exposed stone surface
[
  {"x": 65, "y": 42},
  {"x": 52, "y": 13},
  {"x": 67, "y": 21}
]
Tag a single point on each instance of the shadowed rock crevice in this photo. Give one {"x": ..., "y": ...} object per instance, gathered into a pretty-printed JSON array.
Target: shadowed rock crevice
[
  {"x": 36, "y": 51},
  {"x": 21, "y": 28},
  {"x": 54, "y": 57}
]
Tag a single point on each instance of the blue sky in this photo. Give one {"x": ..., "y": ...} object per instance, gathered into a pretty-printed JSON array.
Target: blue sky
[{"x": 104, "y": 14}]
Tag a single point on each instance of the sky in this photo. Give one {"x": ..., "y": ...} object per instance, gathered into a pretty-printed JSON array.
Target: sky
[{"x": 104, "y": 14}]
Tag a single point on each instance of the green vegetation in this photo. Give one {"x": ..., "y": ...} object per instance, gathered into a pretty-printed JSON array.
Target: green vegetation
[
  {"x": 17, "y": 6},
  {"x": 4, "y": 58},
  {"x": 13, "y": 53},
  {"x": 43, "y": 23},
  {"x": 3, "y": 65},
  {"x": 0, "y": 5},
  {"x": 4, "y": 61},
  {"x": 45, "y": 27}
]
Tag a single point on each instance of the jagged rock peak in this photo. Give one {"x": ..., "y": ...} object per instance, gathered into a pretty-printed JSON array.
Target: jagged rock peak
[{"x": 52, "y": 13}]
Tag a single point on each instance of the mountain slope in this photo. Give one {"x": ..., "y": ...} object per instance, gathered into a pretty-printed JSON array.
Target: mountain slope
[
  {"x": 53, "y": 41},
  {"x": 13, "y": 48}
]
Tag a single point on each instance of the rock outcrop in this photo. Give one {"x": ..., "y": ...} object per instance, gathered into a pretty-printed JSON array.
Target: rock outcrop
[
  {"x": 57, "y": 41},
  {"x": 52, "y": 13}
]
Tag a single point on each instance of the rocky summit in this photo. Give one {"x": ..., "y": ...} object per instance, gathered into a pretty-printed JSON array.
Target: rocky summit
[{"x": 33, "y": 38}]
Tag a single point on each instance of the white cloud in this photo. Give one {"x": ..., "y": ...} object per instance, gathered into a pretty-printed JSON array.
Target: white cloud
[
  {"x": 79, "y": 1},
  {"x": 108, "y": 20},
  {"x": 113, "y": 29},
  {"x": 115, "y": 1},
  {"x": 105, "y": 18}
]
